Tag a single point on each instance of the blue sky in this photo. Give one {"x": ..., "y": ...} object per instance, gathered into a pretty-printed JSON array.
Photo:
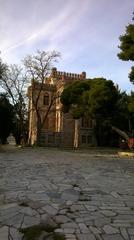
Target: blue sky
[{"x": 86, "y": 32}]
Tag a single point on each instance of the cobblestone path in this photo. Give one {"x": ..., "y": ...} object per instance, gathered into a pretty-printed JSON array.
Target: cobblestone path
[{"x": 85, "y": 196}]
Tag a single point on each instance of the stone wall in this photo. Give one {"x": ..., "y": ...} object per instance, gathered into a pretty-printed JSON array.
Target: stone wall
[{"x": 51, "y": 139}]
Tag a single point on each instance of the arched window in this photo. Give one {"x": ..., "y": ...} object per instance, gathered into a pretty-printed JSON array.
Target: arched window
[{"x": 46, "y": 99}]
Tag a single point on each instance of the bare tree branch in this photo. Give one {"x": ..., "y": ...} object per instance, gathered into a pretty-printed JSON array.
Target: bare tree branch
[{"x": 38, "y": 69}]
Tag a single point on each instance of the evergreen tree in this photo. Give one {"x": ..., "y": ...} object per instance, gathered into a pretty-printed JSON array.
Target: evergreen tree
[
  {"x": 6, "y": 118},
  {"x": 127, "y": 48}
]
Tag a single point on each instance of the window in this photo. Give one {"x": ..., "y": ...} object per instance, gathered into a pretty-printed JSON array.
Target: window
[
  {"x": 83, "y": 139},
  {"x": 86, "y": 139},
  {"x": 89, "y": 139},
  {"x": 46, "y": 99},
  {"x": 50, "y": 138}
]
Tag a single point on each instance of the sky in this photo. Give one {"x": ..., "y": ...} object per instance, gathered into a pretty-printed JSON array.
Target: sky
[{"x": 85, "y": 32}]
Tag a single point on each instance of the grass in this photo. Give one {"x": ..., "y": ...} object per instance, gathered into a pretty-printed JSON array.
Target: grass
[
  {"x": 58, "y": 236},
  {"x": 75, "y": 185},
  {"x": 23, "y": 204},
  {"x": 31, "y": 233},
  {"x": 34, "y": 232}
]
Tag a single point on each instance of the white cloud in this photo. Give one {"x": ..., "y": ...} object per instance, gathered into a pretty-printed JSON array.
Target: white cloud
[
  {"x": 86, "y": 32},
  {"x": 55, "y": 30}
]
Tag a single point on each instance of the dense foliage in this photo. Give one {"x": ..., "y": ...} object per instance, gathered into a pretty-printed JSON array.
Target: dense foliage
[
  {"x": 96, "y": 96},
  {"x": 127, "y": 48},
  {"x": 14, "y": 83},
  {"x": 100, "y": 99},
  {"x": 6, "y": 118}
]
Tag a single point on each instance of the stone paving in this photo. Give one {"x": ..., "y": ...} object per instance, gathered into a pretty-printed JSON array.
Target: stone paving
[{"x": 85, "y": 196}]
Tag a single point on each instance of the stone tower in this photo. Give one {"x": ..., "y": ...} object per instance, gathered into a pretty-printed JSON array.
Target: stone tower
[{"x": 58, "y": 128}]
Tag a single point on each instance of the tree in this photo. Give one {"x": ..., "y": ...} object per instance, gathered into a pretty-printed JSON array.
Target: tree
[
  {"x": 127, "y": 48},
  {"x": 71, "y": 98},
  {"x": 94, "y": 97},
  {"x": 122, "y": 121},
  {"x": 6, "y": 118},
  {"x": 14, "y": 83},
  {"x": 3, "y": 68},
  {"x": 38, "y": 68},
  {"x": 100, "y": 99},
  {"x": 131, "y": 121},
  {"x": 131, "y": 113}
]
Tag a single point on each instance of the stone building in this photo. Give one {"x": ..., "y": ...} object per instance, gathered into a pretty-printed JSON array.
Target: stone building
[{"x": 57, "y": 127}]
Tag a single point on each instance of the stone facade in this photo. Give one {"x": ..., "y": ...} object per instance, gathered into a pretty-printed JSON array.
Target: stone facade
[{"x": 58, "y": 128}]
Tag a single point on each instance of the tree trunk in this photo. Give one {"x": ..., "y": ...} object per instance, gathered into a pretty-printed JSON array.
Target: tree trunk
[
  {"x": 76, "y": 133},
  {"x": 121, "y": 133},
  {"x": 39, "y": 127}
]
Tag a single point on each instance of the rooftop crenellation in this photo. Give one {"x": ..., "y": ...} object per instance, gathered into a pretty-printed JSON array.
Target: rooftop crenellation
[{"x": 56, "y": 73}]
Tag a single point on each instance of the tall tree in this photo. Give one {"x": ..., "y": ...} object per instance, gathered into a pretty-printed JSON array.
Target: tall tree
[
  {"x": 99, "y": 99},
  {"x": 6, "y": 118},
  {"x": 38, "y": 68},
  {"x": 71, "y": 98},
  {"x": 131, "y": 113},
  {"x": 3, "y": 68},
  {"x": 14, "y": 82},
  {"x": 127, "y": 48}
]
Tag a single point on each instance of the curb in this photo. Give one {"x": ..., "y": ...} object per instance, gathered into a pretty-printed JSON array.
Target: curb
[{"x": 126, "y": 154}]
